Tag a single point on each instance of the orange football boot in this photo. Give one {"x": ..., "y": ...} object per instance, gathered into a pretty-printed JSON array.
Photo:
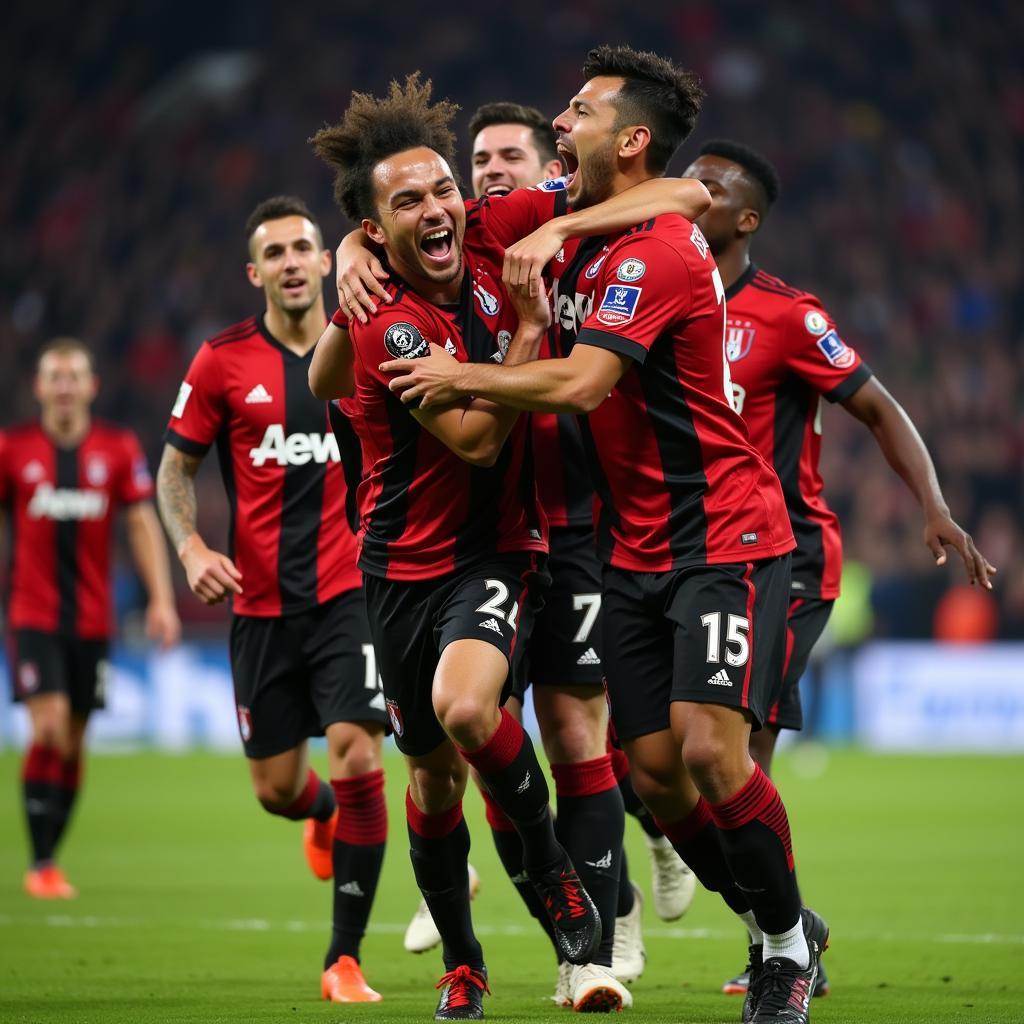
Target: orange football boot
[
  {"x": 49, "y": 883},
  {"x": 343, "y": 982},
  {"x": 317, "y": 839}
]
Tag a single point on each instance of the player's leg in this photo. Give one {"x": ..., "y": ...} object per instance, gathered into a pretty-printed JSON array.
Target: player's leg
[
  {"x": 345, "y": 692},
  {"x": 477, "y": 657},
  {"x": 733, "y": 619},
  {"x": 673, "y": 884}
]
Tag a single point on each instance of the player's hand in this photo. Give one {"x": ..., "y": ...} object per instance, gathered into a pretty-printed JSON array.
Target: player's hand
[
  {"x": 211, "y": 575},
  {"x": 162, "y": 623},
  {"x": 941, "y": 531},
  {"x": 432, "y": 379},
  {"x": 525, "y": 261},
  {"x": 359, "y": 278},
  {"x": 532, "y": 310}
]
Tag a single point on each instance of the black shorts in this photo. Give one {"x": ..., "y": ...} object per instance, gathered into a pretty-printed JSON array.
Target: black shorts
[
  {"x": 295, "y": 675},
  {"x": 53, "y": 663},
  {"x": 412, "y": 621},
  {"x": 565, "y": 646},
  {"x": 711, "y": 634},
  {"x": 805, "y": 623}
]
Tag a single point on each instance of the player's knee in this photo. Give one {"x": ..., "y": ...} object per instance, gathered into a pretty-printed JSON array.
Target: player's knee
[
  {"x": 51, "y": 731},
  {"x": 707, "y": 757},
  {"x": 466, "y": 718},
  {"x": 355, "y": 750},
  {"x": 570, "y": 742},
  {"x": 435, "y": 791},
  {"x": 273, "y": 794}
]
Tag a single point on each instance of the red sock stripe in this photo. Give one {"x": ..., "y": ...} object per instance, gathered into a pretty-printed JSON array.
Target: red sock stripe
[
  {"x": 587, "y": 778},
  {"x": 431, "y": 826},
  {"x": 500, "y": 750},
  {"x": 757, "y": 800},
  {"x": 299, "y": 807},
  {"x": 496, "y": 817},
  {"x": 42, "y": 764},
  {"x": 620, "y": 763},
  {"x": 362, "y": 810},
  {"x": 682, "y": 831},
  {"x": 71, "y": 774}
]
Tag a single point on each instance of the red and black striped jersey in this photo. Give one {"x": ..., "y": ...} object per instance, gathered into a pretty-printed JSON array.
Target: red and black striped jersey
[
  {"x": 281, "y": 465},
  {"x": 60, "y": 504},
  {"x": 424, "y": 512},
  {"x": 678, "y": 482},
  {"x": 563, "y": 479},
  {"x": 785, "y": 354}
]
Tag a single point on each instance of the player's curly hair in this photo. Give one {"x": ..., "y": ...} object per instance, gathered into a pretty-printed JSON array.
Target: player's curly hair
[
  {"x": 516, "y": 113},
  {"x": 372, "y": 129},
  {"x": 759, "y": 168},
  {"x": 657, "y": 93}
]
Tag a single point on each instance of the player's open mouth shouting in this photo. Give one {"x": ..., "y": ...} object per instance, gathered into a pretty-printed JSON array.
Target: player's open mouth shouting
[{"x": 437, "y": 244}]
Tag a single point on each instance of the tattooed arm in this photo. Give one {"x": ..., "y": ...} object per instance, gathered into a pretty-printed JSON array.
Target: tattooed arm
[{"x": 211, "y": 575}]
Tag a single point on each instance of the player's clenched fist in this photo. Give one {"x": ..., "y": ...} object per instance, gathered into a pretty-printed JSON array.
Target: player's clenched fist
[{"x": 211, "y": 575}]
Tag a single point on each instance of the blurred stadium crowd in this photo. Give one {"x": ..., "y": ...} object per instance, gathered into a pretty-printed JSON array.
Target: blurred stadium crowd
[{"x": 139, "y": 136}]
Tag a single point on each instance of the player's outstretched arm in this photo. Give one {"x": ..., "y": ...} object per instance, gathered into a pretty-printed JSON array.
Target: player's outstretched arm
[
  {"x": 332, "y": 368},
  {"x": 149, "y": 552},
  {"x": 905, "y": 451},
  {"x": 211, "y": 575},
  {"x": 526, "y": 259},
  {"x": 577, "y": 384}
]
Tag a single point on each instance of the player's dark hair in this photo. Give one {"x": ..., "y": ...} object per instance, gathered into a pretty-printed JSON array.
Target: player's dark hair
[
  {"x": 65, "y": 346},
  {"x": 759, "y": 168},
  {"x": 516, "y": 113},
  {"x": 656, "y": 93},
  {"x": 275, "y": 208},
  {"x": 373, "y": 129}
]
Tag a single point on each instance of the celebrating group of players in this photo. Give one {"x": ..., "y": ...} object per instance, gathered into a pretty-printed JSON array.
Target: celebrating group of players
[{"x": 576, "y": 432}]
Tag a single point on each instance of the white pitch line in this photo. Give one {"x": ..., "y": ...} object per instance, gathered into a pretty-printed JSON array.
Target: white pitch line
[{"x": 261, "y": 924}]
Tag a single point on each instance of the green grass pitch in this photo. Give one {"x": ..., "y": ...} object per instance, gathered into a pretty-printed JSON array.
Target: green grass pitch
[{"x": 196, "y": 906}]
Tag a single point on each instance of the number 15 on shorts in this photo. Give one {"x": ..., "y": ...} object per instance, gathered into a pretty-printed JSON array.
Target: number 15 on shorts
[{"x": 736, "y": 650}]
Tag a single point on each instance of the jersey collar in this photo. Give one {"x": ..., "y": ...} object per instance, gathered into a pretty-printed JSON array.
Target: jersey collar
[{"x": 741, "y": 282}]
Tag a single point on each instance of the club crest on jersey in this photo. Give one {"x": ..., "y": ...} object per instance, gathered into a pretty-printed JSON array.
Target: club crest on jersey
[
  {"x": 551, "y": 185},
  {"x": 404, "y": 341},
  {"x": 815, "y": 323},
  {"x": 488, "y": 303},
  {"x": 33, "y": 472},
  {"x": 595, "y": 268},
  {"x": 395, "y": 717},
  {"x": 739, "y": 337},
  {"x": 836, "y": 351},
  {"x": 699, "y": 242},
  {"x": 619, "y": 304},
  {"x": 449, "y": 347},
  {"x": 631, "y": 270},
  {"x": 96, "y": 471},
  {"x": 244, "y": 723},
  {"x": 504, "y": 339}
]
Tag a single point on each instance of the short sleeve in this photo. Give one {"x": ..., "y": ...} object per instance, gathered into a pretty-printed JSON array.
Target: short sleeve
[
  {"x": 134, "y": 480},
  {"x": 391, "y": 334},
  {"x": 199, "y": 410},
  {"x": 818, "y": 355},
  {"x": 512, "y": 217},
  {"x": 340, "y": 319},
  {"x": 642, "y": 288}
]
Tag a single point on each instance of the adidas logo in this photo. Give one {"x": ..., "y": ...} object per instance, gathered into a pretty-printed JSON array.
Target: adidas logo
[
  {"x": 720, "y": 678},
  {"x": 605, "y": 862},
  {"x": 524, "y": 785},
  {"x": 258, "y": 396},
  {"x": 351, "y": 889},
  {"x": 491, "y": 624},
  {"x": 589, "y": 657}
]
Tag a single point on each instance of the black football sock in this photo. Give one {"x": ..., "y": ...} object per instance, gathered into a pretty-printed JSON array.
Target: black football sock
[
  {"x": 753, "y": 829},
  {"x": 357, "y": 855},
  {"x": 439, "y": 851},
  {"x": 696, "y": 839},
  {"x": 70, "y": 783},
  {"x": 510, "y": 853},
  {"x": 590, "y": 824},
  {"x": 41, "y": 777},
  {"x": 626, "y": 895},
  {"x": 507, "y": 765}
]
